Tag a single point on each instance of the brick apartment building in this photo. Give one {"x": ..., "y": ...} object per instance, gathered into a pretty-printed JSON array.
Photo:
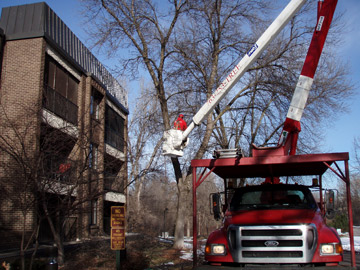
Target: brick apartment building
[{"x": 63, "y": 130}]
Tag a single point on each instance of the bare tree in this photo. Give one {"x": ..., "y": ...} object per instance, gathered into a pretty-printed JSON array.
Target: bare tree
[
  {"x": 207, "y": 222},
  {"x": 255, "y": 114},
  {"x": 43, "y": 177},
  {"x": 207, "y": 46},
  {"x": 18, "y": 179},
  {"x": 144, "y": 144},
  {"x": 140, "y": 26},
  {"x": 357, "y": 155},
  {"x": 188, "y": 47}
]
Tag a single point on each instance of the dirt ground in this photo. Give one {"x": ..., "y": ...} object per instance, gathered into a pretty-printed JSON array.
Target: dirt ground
[{"x": 142, "y": 252}]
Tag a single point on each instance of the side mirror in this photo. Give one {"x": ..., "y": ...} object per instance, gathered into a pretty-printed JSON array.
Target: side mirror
[
  {"x": 330, "y": 200},
  {"x": 216, "y": 205},
  {"x": 330, "y": 203}
]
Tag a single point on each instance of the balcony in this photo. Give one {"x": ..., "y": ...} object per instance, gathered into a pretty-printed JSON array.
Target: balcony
[
  {"x": 59, "y": 105},
  {"x": 114, "y": 139},
  {"x": 115, "y": 184},
  {"x": 62, "y": 173}
]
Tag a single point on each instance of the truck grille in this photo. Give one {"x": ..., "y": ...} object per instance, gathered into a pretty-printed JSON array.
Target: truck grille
[{"x": 273, "y": 243}]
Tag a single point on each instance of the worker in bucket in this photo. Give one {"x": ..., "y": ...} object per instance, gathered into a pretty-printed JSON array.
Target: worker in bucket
[{"x": 180, "y": 123}]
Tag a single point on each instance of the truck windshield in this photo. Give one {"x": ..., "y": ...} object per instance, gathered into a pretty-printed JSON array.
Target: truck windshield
[{"x": 273, "y": 196}]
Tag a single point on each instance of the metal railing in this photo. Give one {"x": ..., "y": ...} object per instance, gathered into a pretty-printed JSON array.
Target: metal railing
[
  {"x": 114, "y": 139},
  {"x": 113, "y": 183},
  {"x": 60, "y": 105}
]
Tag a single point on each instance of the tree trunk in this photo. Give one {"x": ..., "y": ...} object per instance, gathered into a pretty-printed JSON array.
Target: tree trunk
[
  {"x": 138, "y": 187},
  {"x": 36, "y": 246},
  {"x": 187, "y": 227},
  {"x": 180, "y": 215},
  {"x": 57, "y": 237},
  {"x": 22, "y": 252}
]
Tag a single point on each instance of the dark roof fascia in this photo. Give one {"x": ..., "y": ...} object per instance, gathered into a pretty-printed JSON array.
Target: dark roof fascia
[
  {"x": 19, "y": 36},
  {"x": 63, "y": 54},
  {"x": 117, "y": 103},
  {"x": 37, "y": 26}
]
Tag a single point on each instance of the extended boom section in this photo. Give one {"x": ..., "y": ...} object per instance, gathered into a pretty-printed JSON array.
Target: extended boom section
[
  {"x": 292, "y": 125},
  {"x": 174, "y": 139}
]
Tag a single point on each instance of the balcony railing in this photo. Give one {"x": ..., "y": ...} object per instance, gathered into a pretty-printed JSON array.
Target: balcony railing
[
  {"x": 113, "y": 183},
  {"x": 65, "y": 178},
  {"x": 59, "y": 105}
]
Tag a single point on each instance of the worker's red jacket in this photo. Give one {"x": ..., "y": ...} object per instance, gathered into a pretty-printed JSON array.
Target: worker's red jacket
[{"x": 180, "y": 124}]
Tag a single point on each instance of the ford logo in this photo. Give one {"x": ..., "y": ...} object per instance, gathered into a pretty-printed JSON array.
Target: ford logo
[{"x": 271, "y": 243}]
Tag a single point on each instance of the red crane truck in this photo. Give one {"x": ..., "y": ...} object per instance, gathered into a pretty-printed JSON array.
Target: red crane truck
[
  {"x": 272, "y": 223},
  {"x": 275, "y": 222}
]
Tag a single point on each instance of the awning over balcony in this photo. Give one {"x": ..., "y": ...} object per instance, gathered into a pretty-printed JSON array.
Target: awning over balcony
[
  {"x": 115, "y": 197},
  {"x": 114, "y": 152}
]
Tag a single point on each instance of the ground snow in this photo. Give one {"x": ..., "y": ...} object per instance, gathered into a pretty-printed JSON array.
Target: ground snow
[{"x": 345, "y": 242}]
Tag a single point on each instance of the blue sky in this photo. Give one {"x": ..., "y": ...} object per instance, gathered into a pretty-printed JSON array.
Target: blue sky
[{"x": 340, "y": 134}]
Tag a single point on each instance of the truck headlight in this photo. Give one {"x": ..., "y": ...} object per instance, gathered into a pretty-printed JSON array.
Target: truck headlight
[
  {"x": 215, "y": 249},
  {"x": 330, "y": 249}
]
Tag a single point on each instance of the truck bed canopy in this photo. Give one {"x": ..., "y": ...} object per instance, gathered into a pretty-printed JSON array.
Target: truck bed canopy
[{"x": 268, "y": 166}]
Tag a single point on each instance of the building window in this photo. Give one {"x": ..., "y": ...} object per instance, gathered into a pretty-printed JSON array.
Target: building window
[
  {"x": 114, "y": 129},
  {"x": 95, "y": 101},
  {"x": 60, "y": 91},
  {"x": 94, "y": 211},
  {"x": 93, "y": 156}
]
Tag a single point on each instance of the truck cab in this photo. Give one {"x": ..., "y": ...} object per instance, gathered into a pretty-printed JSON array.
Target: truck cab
[
  {"x": 278, "y": 222},
  {"x": 273, "y": 223}
]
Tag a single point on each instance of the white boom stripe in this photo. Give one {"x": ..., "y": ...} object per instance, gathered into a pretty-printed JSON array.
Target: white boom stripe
[{"x": 299, "y": 98}]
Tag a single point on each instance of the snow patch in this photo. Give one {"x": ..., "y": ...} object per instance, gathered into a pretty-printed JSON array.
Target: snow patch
[{"x": 345, "y": 242}]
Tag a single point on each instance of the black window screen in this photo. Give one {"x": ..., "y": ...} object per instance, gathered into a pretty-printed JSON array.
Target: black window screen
[
  {"x": 114, "y": 128},
  {"x": 61, "y": 91}
]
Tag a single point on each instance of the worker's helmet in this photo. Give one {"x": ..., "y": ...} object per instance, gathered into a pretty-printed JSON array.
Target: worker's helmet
[{"x": 181, "y": 115}]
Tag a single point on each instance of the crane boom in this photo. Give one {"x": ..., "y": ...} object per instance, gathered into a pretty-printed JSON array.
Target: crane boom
[
  {"x": 326, "y": 9},
  {"x": 174, "y": 139}
]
